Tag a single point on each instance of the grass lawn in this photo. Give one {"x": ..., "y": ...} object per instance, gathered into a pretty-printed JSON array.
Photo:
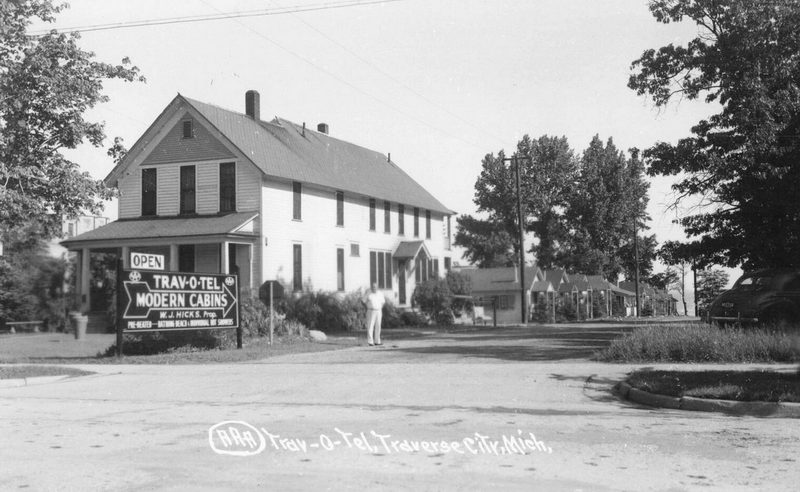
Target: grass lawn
[
  {"x": 723, "y": 385},
  {"x": 58, "y": 348},
  {"x": 699, "y": 342},
  {"x": 20, "y": 371}
]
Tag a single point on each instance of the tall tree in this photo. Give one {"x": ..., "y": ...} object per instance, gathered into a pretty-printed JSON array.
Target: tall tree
[
  {"x": 547, "y": 171},
  {"x": 743, "y": 160},
  {"x": 47, "y": 83},
  {"x": 610, "y": 196}
]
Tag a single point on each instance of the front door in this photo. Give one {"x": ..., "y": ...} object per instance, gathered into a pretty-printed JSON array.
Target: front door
[{"x": 401, "y": 280}]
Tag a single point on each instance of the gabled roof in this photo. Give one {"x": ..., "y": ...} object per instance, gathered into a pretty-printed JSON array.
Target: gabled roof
[
  {"x": 410, "y": 250},
  {"x": 167, "y": 227},
  {"x": 541, "y": 286},
  {"x": 598, "y": 282},
  {"x": 555, "y": 276},
  {"x": 282, "y": 149},
  {"x": 498, "y": 279}
]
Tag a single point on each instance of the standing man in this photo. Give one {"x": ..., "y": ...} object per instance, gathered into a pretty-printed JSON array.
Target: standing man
[{"x": 375, "y": 302}]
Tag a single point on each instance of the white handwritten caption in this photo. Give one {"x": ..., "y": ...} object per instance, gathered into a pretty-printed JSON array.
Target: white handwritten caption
[{"x": 237, "y": 438}]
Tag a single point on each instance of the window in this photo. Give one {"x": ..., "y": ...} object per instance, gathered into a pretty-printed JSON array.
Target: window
[
  {"x": 340, "y": 269},
  {"x": 436, "y": 268},
  {"x": 401, "y": 219},
  {"x": 354, "y": 250},
  {"x": 339, "y": 208},
  {"x": 188, "y": 129},
  {"x": 371, "y": 214},
  {"x": 447, "y": 264},
  {"x": 227, "y": 187},
  {"x": 297, "y": 189},
  {"x": 416, "y": 221},
  {"x": 387, "y": 216},
  {"x": 186, "y": 258},
  {"x": 418, "y": 270},
  {"x": 505, "y": 302},
  {"x": 297, "y": 279},
  {"x": 380, "y": 269},
  {"x": 428, "y": 224},
  {"x": 70, "y": 229},
  {"x": 149, "y": 188},
  {"x": 187, "y": 190}
]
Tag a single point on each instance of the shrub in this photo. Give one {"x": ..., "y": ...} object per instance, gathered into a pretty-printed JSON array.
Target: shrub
[
  {"x": 461, "y": 285},
  {"x": 692, "y": 342},
  {"x": 433, "y": 298},
  {"x": 391, "y": 316},
  {"x": 174, "y": 341},
  {"x": 327, "y": 312},
  {"x": 543, "y": 312},
  {"x": 413, "y": 318},
  {"x": 599, "y": 308},
  {"x": 566, "y": 311}
]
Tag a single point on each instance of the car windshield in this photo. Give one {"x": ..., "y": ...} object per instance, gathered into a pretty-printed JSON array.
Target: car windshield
[{"x": 753, "y": 282}]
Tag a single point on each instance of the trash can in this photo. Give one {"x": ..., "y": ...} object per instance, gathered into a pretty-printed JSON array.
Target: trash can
[{"x": 79, "y": 323}]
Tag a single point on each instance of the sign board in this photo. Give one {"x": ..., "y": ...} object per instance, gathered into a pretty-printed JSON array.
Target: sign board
[
  {"x": 147, "y": 261},
  {"x": 276, "y": 292},
  {"x": 154, "y": 301}
]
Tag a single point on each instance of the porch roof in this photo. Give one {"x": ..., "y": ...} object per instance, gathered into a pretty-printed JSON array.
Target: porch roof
[
  {"x": 127, "y": 230},
  {"x": 410, "y": 250}
]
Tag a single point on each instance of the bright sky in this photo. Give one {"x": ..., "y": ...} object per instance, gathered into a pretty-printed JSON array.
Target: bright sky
[{"x": 437, "y": 83}]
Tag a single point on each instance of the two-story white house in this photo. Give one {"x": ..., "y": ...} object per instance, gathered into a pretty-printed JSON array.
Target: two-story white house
[{"x": 218, "y": 191}]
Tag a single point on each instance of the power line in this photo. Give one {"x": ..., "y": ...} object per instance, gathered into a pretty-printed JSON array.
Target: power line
[
  {"x": 353, "y": 86},
  {"x": 221, "y": 16},
  {"x": 397, "y": 81}
]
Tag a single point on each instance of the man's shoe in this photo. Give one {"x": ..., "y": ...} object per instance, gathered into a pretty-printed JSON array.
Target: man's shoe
[
  {"x": 371, "y": 344},
  {"x": 379, "y": 343}
]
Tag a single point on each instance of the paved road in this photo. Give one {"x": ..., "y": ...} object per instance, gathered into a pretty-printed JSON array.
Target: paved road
[{"x": 481, "y": 393}]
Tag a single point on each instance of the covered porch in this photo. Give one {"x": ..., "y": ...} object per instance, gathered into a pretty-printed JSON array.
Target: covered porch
[{"x": 213, "y": 244}]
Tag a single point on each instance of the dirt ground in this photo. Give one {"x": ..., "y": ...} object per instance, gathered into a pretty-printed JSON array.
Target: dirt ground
[{"x": 513, "y": 408}]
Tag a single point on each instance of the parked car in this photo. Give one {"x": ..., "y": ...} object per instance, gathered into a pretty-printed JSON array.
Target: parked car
[{"x": 767, "y": 297}]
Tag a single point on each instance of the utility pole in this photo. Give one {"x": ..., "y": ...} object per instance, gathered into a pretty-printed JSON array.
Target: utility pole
[
  {"x": 636, "y": 266},
  {"x": 522, "y": 287}
]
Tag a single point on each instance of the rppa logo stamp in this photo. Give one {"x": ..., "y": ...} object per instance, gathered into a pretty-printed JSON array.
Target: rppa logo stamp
[{"x": 236, "y": 438}]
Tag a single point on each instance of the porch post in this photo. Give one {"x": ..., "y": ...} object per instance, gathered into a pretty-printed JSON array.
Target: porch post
[
  {"x": 85, "y": 278},
  {"x": 223, "y": 267},
  {"x": 173, "y": 257},
  {"x": 126, "y": 257}
]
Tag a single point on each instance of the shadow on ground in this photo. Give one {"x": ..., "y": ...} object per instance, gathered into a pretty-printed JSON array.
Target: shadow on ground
[{"x": 533, "y": 343}]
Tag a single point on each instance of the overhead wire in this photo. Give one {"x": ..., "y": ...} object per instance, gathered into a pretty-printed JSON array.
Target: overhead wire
[{"x": 220, "y": 16}]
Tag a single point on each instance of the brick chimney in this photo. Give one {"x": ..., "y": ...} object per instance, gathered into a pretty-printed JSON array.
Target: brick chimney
[
  {"x": 322, "y": 128},
  {"x": 252, "y": 105}
]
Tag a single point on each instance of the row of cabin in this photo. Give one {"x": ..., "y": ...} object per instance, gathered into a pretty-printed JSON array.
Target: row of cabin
[{"x": 555, "y": 294}]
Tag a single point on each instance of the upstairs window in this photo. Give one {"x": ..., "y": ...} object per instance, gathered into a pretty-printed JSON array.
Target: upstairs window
[
  {"x": 371, "y": 214},
  {"x": 401, "y": 219},
  {"x": 387, "y": 217},
  {"x": 188, "y": 129},
  {"x": 227, "y": 187},
  {"x": 416, "y": 221},
  {"x": 149, "y": 191},
  {"x": 340, "y": 269},
  {"x": 339, "y": 208},
  {"x": 427, "y": 224},
  {"x": 297, "y": 190},
  {"x": 187, "y": 190}
]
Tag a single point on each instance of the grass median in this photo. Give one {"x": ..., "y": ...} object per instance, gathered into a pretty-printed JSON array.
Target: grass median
[{"x": 697, "y": 342}]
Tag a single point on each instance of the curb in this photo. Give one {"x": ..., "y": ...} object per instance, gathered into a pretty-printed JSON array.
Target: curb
[
  {"x": 16, "y": 383},
  {"x": 730, "y": 407}
]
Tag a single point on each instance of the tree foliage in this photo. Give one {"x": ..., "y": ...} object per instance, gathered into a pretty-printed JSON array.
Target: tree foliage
[
  {"x": 580, "y": 210},
  {"x": 742, "y": 161},
  {"x": 609, "y": 196},
  {"x": 710, "y": 284},
  {"x": 47, "y": 83}
]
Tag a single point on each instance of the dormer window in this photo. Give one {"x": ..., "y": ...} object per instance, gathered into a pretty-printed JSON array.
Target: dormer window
[{"x": 188, "y": 129}]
